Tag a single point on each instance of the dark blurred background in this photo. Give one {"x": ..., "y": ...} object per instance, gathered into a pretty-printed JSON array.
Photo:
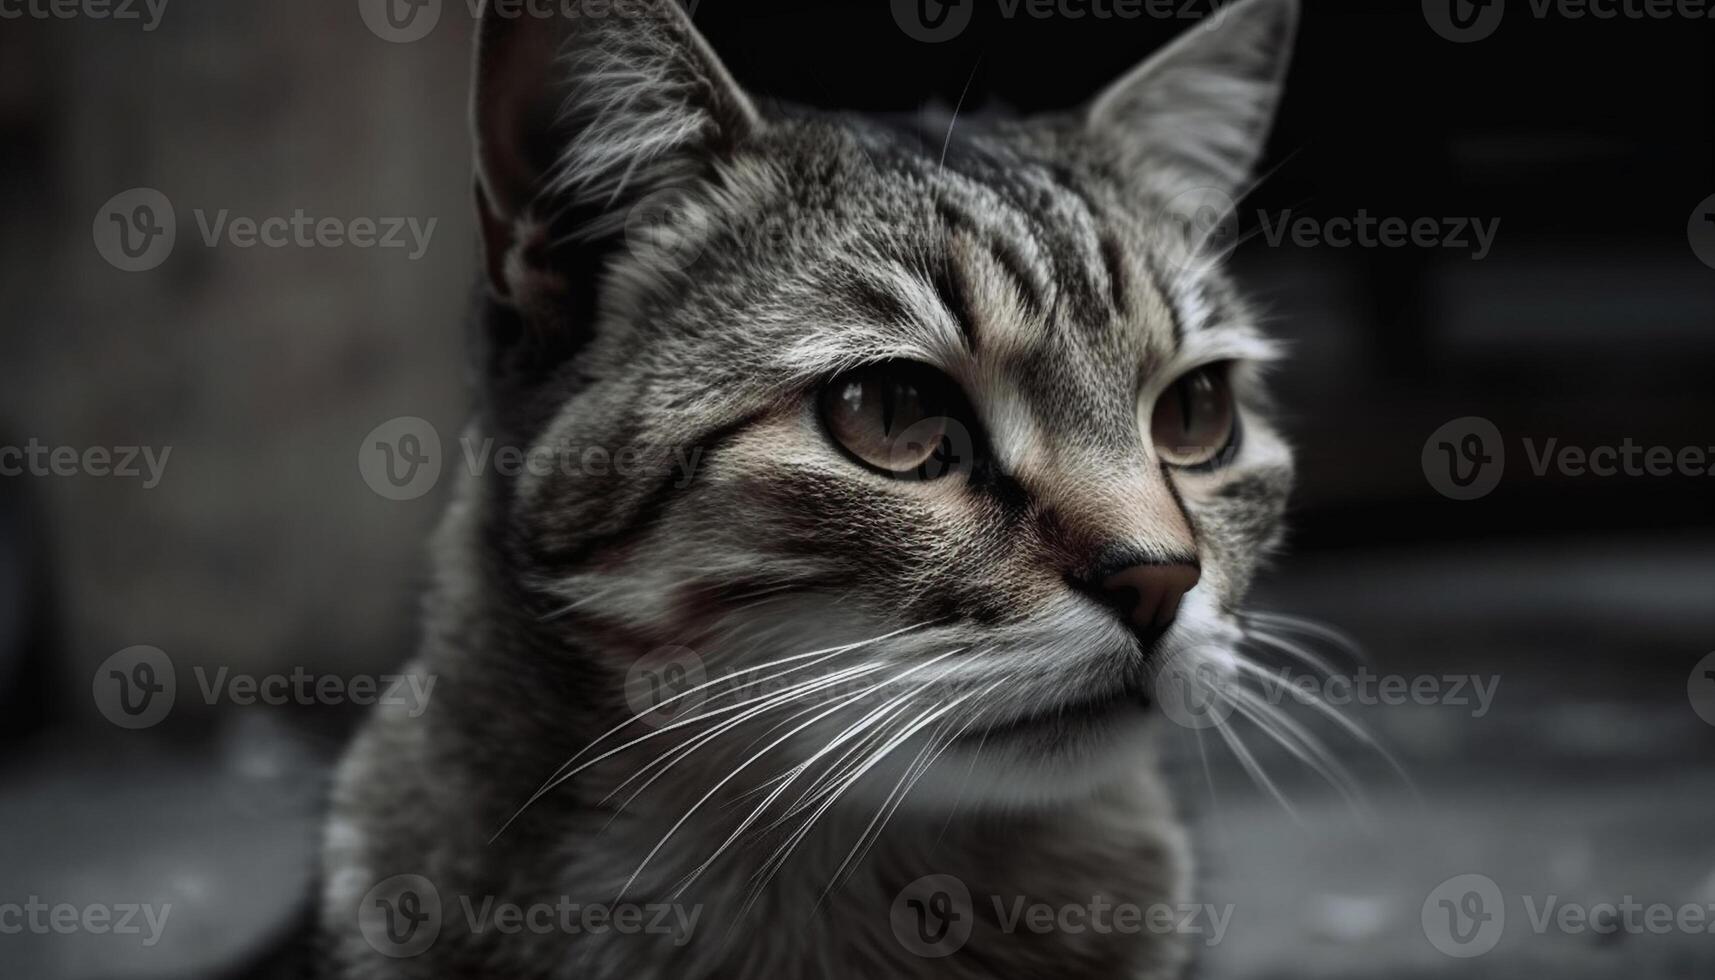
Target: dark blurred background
[{"x": 1590, "y": 321}]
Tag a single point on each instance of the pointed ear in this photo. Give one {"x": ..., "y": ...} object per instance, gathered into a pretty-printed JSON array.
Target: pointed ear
[
  {"x": 574, "y": 118},
  {"x": 1206, "y": 102}
]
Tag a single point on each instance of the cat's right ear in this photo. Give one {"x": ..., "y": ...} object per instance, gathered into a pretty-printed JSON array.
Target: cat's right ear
[
  {"x": 1202, "y": 107},
  {"x": 576, "y": 118}
]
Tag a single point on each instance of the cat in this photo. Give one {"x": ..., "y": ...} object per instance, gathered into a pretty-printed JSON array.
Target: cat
[{"x": 982, "y": 443}]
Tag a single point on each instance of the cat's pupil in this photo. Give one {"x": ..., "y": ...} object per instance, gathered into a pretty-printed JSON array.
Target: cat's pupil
[
  {"x": 1195, "y": 419},
  {"x": 889, "y": 418}
]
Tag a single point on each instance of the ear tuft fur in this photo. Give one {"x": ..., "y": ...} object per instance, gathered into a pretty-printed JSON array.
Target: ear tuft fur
[
  {"x": 576, "y": 119},
  {"x": 1204, "y": 105}
]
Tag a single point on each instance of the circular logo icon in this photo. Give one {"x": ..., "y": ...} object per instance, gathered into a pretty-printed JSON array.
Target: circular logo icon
[
  {"x": 400, "y": 459},
  {"x": 1198, "y": 228},
  {"x": 401, "y": 917},
  {"x": 932, "y": 917},
  {"x": 1701, "y": 688},
  {"x": 661, "y": 687},
  {"x": 932, "y": 21},
  {"x": 941, "y": 445},
  {"x": 1193, "y": 688},
  {"x": 1702, "y": 231},
  {"x": 400, "y": 21},
  {"x": 1464, "y": 916},
  {"x": 135, "y": 687},
  {"x": 1464, "y": 459},
  {"x": 1464, "y": 21},
  {"x": 135, "y": 230},
  {"x": 666, "y": 229}
]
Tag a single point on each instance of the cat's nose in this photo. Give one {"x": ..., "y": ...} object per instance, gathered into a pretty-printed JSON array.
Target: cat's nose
[{"x": 1147, "y": 595}]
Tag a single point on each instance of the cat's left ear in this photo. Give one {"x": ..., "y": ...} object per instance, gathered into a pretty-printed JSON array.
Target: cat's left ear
[
  {"x": 1204, "y": 105},
  {"x": 576, "y": 118}
]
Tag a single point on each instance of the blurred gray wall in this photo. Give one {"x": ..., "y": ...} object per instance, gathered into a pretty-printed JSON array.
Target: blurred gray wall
[{"x": 262, "y": 369}]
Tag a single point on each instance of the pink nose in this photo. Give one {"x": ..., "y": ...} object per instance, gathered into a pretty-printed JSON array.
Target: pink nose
[{"x": 1147, "y": 596}]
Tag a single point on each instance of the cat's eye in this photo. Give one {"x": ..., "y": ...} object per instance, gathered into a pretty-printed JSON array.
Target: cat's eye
[
  {"x": 899, "y": 417},
  {"x": 1195, "y": 421}
]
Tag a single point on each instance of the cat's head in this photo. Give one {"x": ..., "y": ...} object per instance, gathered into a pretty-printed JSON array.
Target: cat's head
[{"x": 965, "y": 407}]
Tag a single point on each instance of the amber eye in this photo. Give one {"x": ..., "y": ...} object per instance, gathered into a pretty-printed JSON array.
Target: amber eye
[
  {"x": 1195, "y": 421},
  {"x": 899, "y": 417}
]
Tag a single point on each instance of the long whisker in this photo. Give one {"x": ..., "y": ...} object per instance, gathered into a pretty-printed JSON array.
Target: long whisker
[
  {"x": 906, "y": 783},
  {"x": 1307, "y": 627},
  {"x": 898, "y": 740},
  {"x": 1351, "y": 727},
  {"x": 729, "y": 777},
  {"x": 1304, "y": 746},
  {"x": 1256, "y": 771},
  {"x": 769, "y": 868},
  {"x": 792, "y": 774},
  {"x": 796, "y": 692},
  {"x": 562, "y": 774},
  {"x": 1297, "y": 651}
]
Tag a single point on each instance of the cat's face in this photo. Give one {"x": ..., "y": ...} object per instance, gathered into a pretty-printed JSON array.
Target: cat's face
[{"x": 919, "y": 406}]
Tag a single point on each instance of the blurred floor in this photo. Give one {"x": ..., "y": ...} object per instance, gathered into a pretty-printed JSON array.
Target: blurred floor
[
  {"x": 1589, "y": 779},
  {"x": 1590, "y": 785}
]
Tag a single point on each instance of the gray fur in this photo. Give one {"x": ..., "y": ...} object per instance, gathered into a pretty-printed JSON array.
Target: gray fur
[{"x": 1029, "y": 260}]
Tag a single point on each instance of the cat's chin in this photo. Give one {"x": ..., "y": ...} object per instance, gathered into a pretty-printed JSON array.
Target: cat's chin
[{"x": 1038, "y": 760}]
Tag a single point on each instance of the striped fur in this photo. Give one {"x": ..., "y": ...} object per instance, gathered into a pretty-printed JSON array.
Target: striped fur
[{"x": 1030, "y": 260}]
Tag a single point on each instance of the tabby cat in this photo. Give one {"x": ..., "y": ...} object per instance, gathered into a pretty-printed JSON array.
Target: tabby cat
[{"x": 883, "y": 464}]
